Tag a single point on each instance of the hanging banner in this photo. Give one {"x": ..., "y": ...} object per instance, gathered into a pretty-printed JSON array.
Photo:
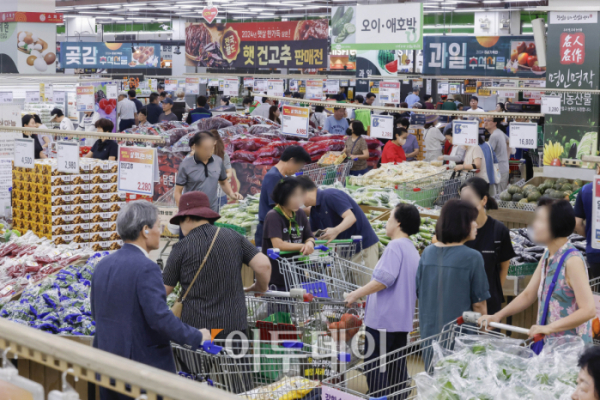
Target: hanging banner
[
  {"x": 192, "y": 86},
  {"x": 382, "y": 126},
  {"x": 170, "y": 85},
  {"x": 105, "y": 55},
  {"x": 389, "y": 92},
  {"x": 376, "y": 62},
  {"x": 6, "y": 97},
  {"x": 249, "y": 81},
  {"x": 481, "y": 55},
  {"x": 314, "y": 89},
  {"x": 137, "y": 170},
  {"x": 523, "y": 135},
  {"x": 67, "y": 157},
  {"x": 294, "y": 121},
  {"x": 27, "y": 47},
  {"x": 231, "y": 86},
  {"x": 465, "y": 133},
  {"x": 333, "y": 86},
  {"x": 377, "y": 27},
  {"x": 24, "y": 153},
  {"x": 275, "y": 87},
  {"x": 85, "y": 98},
  {"x": 277, "y": 44}
]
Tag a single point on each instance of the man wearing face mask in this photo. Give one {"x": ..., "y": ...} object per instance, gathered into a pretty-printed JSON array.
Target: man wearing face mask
[{"x": 393, "y": 151}]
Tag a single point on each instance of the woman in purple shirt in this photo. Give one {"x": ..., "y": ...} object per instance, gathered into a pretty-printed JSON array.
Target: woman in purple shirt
[{"x": 391, "y": 303}]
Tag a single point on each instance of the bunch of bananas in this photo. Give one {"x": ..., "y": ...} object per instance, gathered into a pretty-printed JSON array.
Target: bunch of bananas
[{"x": 552, "y": 153}]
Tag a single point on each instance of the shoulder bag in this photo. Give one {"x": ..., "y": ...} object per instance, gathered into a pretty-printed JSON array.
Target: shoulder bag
[
  {"x": 178, "y": 306},
  {"x": 538, "y": 346},
  {"x": 497, "y": 175}
]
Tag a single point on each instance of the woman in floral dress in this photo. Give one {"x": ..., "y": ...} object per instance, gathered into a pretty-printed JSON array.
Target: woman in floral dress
[{"x": 571, "y": 307}]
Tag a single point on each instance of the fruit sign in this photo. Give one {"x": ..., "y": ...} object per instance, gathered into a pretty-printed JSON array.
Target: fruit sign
[
  {"x": 295, "y": 121},
  {"x": 85, "y": 98},
  {"x": 464, "y": 133}
]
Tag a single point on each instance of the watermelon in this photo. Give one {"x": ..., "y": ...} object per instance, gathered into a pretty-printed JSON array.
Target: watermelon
[{"x": 392, "y": 66}]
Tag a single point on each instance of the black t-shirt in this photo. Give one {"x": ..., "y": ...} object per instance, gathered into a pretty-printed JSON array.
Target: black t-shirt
[
  {"x": 277, "y": 226},
  {"x": 153, "y": 111},
  {"x": 102, "y": 150},
  {"x": 37, "y": 147},
  {"x": 493, "y": 241}
]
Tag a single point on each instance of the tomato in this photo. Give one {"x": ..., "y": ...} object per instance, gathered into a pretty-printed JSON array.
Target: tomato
[
  {"x": 103, "y": 103},
  {"x": 109, "y": 109},
  {"x": 113, "y": 103}
]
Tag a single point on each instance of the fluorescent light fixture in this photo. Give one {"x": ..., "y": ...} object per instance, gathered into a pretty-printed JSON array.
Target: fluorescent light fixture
[
  {"x": 431, "y": 6},
  {"x": 133, "y": 5},
  {"x": 256, "y": 9},
  {"x": 114, "y": 7},
  {"x": 95, "y": 12},
  {"x": 140, "y": 19},
  {"x": 469, "y": 10},
  {"x": 492, "y": 1},
  {"x": 310, "y": 7},
  {"x": 86, "y": 8},
  {"x": 243, "y": 12}
]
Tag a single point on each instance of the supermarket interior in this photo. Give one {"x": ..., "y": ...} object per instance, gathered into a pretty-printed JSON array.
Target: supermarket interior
[{"x": 299, "y": 199}]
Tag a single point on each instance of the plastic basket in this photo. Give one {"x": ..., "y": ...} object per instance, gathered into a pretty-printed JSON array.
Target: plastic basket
[{"x": 522, "y": 269}]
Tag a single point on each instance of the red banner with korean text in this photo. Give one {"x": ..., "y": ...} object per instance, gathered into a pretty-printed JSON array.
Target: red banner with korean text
[
  {"x": 49, "y": 18},
  {"x": 287, "y": 44}
]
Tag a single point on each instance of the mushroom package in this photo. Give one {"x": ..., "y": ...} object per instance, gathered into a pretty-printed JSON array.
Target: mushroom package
[{"x": 40, "y": 55}]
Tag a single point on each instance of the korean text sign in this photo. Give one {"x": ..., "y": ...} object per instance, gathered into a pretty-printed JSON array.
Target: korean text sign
[
  {"x": 465, "y": 133},
  {"x": 482, "y": 56},
  {"x": 382, "y": 126},
  {"x": 389, "y": 92},
  {"x": 314, "y": 89},
  {"x": 109, "y": 55},
  {"x": 85, "y": 98},
  {"x": 295, "y": 121},
  {"x": 278, "y": 44},
  {"x": 136, "y": 170}
]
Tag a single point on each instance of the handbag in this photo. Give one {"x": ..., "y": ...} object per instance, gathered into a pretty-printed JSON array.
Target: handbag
[
  {"x": 497, "y": 175},
  {"x": 178, "y": 306},
  {"x": 538, "y": 346}
]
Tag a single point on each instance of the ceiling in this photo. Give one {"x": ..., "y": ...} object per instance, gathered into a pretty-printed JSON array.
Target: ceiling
[{"x": 129, "y": 11}]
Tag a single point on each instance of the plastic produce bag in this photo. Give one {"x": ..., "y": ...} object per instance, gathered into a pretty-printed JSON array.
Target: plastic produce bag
[{"x": 243, "y": 155}]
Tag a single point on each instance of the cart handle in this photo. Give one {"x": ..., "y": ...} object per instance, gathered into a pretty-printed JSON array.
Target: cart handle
[
  {"x": 472, "y": 317},
  {"x": 293, "y": 345},
  {"x": 300, "y": 294},
  {"x": 275, "y": 253},
  {"x": 211, "y": 348}
]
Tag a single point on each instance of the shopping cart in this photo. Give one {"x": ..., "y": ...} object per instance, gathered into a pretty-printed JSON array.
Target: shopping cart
[
  {"x": 403, "y": 364},
  {"x": 327, "y": 175}
]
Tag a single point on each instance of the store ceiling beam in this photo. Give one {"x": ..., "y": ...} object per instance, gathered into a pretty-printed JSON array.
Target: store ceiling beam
[{"x": 98, "y": 135}]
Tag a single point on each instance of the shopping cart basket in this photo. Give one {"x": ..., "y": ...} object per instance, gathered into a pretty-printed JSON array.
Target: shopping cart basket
[
  {"x": 327, "y": 175},
  {"x": 395, "y": 381}
]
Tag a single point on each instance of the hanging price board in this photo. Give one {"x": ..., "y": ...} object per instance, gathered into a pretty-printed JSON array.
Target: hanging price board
[
  {"x": 213, "y": 82},
  {"x": 24, "y": 153},
  {"x": 293, "y": 85},
  {"x": 136, "y": 170},
  {"x": 85, "y": 98},
  {"x": 343, "y": 82},
  {"x": 260, "y": 85},
  {"x": 112, "y": 92},
  {"x": 192, "y": 85},
  {"x": 314, "y": 89},
  {"x": 170, "y": 85},
  {"x": 231, "y": 86},
  {"x": 32, "y": 96},
  {"x": 551, "y": 105},
  {"x": 60, "y": 97},
  {"x": 249, "y": 81},
  {"x": 275, "y": 87},
  {"x": 382, "y": 126},
  {"x": 48, "y": 93},
  {"x": 67, "y": 157},
  {"x": 221, "y": 84},
  {"x": 6, "y": 97},
  {"x": 294, "y": 121},
  {"x": 333, "y": 86},
  {"x": 523, "y": 135},
  {"x": 464, "y": 133},
  {"x": 389, "y": 92},
  {"x": 203, "y": 81},
  {"x": 442, "y": 88}
]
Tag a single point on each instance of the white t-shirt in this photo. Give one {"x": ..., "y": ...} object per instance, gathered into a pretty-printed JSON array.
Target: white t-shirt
[
  {"x": 433, "y": 141},
  {"x": 479, "y": 109},
  {"x": 66, "y": 125},
  {"x": 126, "y": 109}
]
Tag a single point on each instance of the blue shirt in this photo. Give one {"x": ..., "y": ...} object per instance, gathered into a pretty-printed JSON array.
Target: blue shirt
[
  {"x": 266, "y": 204},
  {"x": 583, "y": 210},
  {"x": 410, "y": 146},
  {"x": 412, "y": 99},
  {"x": 336, "y": 127},
  {"x": 327, "y": 213}
]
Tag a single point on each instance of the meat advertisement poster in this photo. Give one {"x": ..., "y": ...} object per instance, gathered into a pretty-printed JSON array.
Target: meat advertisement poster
[{"x": 287, "y": 44}]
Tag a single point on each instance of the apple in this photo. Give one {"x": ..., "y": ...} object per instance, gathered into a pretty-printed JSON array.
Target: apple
[
  {"x": 521, "y": 47},
  {"x": 531, "y": 60},
  {"x": 536, "y": 67},
  {"x": 523, "y": 58},
  {"x": 514, "y": 55},
  {"x": 531, "y": 49}
]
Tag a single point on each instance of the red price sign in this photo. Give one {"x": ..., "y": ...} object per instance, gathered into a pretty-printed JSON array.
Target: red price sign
[{"x": 136, "y": 170}]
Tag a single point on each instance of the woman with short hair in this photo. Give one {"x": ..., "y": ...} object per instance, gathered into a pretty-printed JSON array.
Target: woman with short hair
[
  {"x": 28, "y": 121},
  {"x": 588, "y": 381},
  {"x": 357, "y": 148},
  {"x": 104, "y": 149},
  {"x": 393, "y": 151}
]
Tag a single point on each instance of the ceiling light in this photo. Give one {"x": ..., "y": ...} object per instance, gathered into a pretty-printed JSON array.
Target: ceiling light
[
  {"x": 86, "y": 8},
  {"x": 309, "y": 7},
  {"x": 135, "y": 5},
  {"x": 431, "y": 6},
  {"x": 110, "y": 6},
  {"x": 465, "y": 10},
  {"x": 492, "y": 1}
]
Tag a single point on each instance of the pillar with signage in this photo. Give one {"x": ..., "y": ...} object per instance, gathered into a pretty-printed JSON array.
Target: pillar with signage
[{"x": 573, "y": 61}]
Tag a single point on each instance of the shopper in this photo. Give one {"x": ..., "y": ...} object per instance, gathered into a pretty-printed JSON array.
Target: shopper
[
  {"x": 104, "y": 149},
  {"x": 131, "y": 94},
  {"x": 274, "y": 114},
  {"x": 220, "y": 151},
  {"x": 216, "y": 298},
  {"x": 429, "y": 102},
  {"x": 180, "y": 106},
  {"x": 292, "y": 160},
  {"x": 44, "y": 138},
  {"x": 28, "y": 121},
  {"x": 588, "y": 381},
  {"x": 129, "y": 304},
  {"x": 475, "y": 160},
  {"x": 404, "y": 114},
  {"x": 59, "y": 116},
  {"x": 286, "y": 227},
  {"x": 336, "y": 124},
  {"x": 569, "y": 308},
  {"x": 451, "y": 277},
  {"x": 203, "y": 172},
  {"x": 161, "y": 97},
  {"x": 413, "y": 97},
  {"x": 584, "y": 222},
  {"x": 433, "y": 140},
  {"x": 411, "y": 147},
  {"x": 88, "y": 121},
  {"x": 370, "y": 99},
  {"x": 391, "y": 302},
  {"x": 393, "y": 151},
  {"x": 319, "y": 117},
  {"x": 126, "y": 112},
  {"x": 199, "y": 112},
  {"x": 167, "y": 114},
  {"x": 474, "y": 106},
  {"x": 226, "y": 104},
  {"x": 154, "y": 109},
  {"x": 338, "y": 215},
  {"x": 357, "y": 149},
  {"x": 263, "y": 109},
  {"x": 250, "y": 104},
  {"x": 457, "y": 153},
  {"x": 498, "y": 142},
  {"x": 492, "y": 241},
  {"x": 143, "y": 118},
  {"x": 449, "y": 104}
]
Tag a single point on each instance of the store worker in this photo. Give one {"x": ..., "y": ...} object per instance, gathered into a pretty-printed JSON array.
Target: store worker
[
  {"x": 335, "y": 212},
  {"x": 126, "y": 112},
  {"x": 132, "y": 95},
  {"x": 167, "y": 114},
  {"x": 569, "y": 308},
  {"x": 292, "y": 160},
  {"x": 104, "y": 149},
  {"x": 451, "y": 274},
  {"x": 216, "y": 299},
  {"x": 433, "y": 140},
  {"x": 204, "y": 172},
  {"x": 337, "y": 123},
  {"x": 286, "y": 226},
  {"x": 413, "y": 97},
  {"x": 44, "y": 138},
  {"x": 199, "y": 112},
  {"x": 492, "y": 241},
  {"x": 583, "y": 217},
  {"x": 129, "y": 304},
  {"x": 588, "y": 381},
  {"x": 393, "y": 151},
  {"x": 392, "y": 298},
  {"x": 411, "y": 147},
  {"x": 29, "y": 122},
  {"x": 498, "y": 141},
  {"x": 153, "y": 108},
  {"x": 59, "y": 116},
  {"x": 263, "y": 109},
  {"x": 357, "y": 148}
]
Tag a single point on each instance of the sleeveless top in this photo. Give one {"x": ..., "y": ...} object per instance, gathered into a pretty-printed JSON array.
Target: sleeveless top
[{"x": 562, "y": 303}]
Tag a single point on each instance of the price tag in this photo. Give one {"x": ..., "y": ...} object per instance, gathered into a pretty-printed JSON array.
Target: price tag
[
  {"x": 382, "y": 126},
  {"x": 85, "y": 98},
  {"x": 275, "y": 87},
  {"x": 294, "y": 121},
  {"x": 523, "y": 135},
  {"x": 170, "y": 85},
  {"x": 333, "y": 86},
  {"x": 136, "y": 170},
  {"x": 192, "y": 85},
  {"x": 59, "y": 97},
  {"x": 249, "y": 81},
  {"x": 24, "y": 153},
  {"x": 464, "y": 133},
  {"x": 389, "y": 92},
  {"x": 551, "y": 105},
  {"x": 203, "y": 81},
  {"x": 231, "y": 87},
  {"x": 32, "y": 96},
  {"x": 112, "y": 92},
  {"x": 68, "y": 157},
  {"x": 49, "y": 94},
  {"x": 314, "y": 89},
  {"x": 6, "y": 97}
]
